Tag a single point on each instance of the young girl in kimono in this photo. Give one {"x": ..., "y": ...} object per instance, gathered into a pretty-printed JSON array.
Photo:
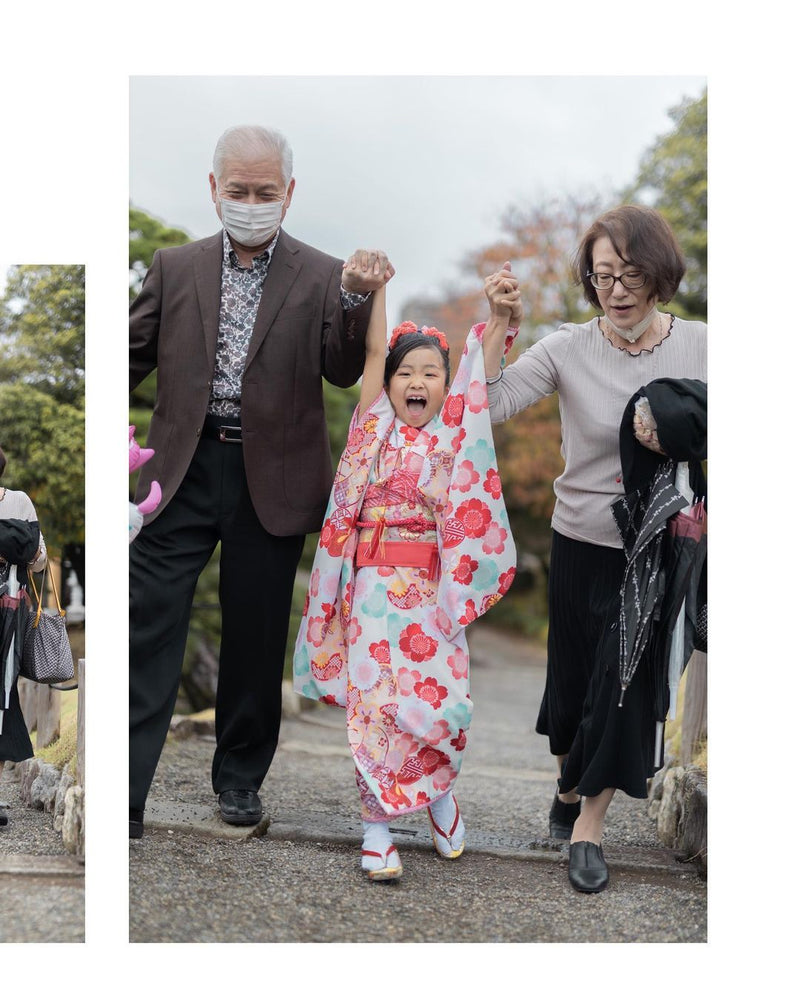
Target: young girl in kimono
[{"x": 415, "y": 545}]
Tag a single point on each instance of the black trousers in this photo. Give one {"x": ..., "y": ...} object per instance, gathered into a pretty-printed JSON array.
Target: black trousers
[{"x": 257, "y": 573}]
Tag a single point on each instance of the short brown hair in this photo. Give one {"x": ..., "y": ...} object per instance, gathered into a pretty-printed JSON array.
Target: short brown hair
[
  {"x": 641, "y": 237},
  {"x": 2, "y": 462}
]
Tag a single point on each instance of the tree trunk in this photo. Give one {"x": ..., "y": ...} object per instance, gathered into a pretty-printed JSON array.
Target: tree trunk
[
  {"x": 81, "y": 721},
  {"x": 695, "y": 705},
  {"x": 27, "y": 701},
  {"x": 48, "y": 715}
]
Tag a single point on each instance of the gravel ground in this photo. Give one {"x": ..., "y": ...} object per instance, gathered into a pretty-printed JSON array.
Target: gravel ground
[
  {"x": 302, "y": 882},
  {"x": 289, "y": 891},
  {"x": 46, "y": 899}
]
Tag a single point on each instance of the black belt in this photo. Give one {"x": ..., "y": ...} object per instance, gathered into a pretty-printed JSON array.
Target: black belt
[{"x": 222, "y": 429}]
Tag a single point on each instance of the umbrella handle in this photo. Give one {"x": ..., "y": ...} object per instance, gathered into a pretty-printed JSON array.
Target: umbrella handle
[{"x": 682, "y": 481}]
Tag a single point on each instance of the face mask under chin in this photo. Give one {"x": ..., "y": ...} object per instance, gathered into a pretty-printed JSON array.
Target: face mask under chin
[{"x": 636, "y": 331}]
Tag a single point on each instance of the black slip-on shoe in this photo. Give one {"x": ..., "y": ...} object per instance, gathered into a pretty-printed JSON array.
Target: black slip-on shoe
[
  {"x": 240, "y": 807},
  {"x": 587, "y": 867}
]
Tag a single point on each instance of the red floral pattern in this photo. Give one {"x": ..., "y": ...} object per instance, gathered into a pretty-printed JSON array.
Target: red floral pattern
[
  {"x": 458, "y": 663},
  {"x": 379, "y": 651},
  {"x": 465, "y": 477},
  {"x": 453, "y": 410},
  {"x": 506, "y": 579},
  {"x": 389, "y": 642},
  {"x": 416, "y": 644},
  {"x": 460, "y": 741},
  {"x": 465, "y": 569},
  {"x": 475, "y": 516},
  {"x": 477, "y": 398},
  {"x": 470, "y": 613},
  {"x": 432, "y": 692},
  {"x": 494, "y": 540},
  {"x": 492, "y": 484}
]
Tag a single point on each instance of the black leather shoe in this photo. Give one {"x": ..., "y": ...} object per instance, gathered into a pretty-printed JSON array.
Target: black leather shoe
[
  {"x": 240, "y": 807},
  {"x": 3, "y": 816},
  {"x": 587, "y": 867},
  {"x": 562, "y": 818},
  {"x": 135, "y": 824}
]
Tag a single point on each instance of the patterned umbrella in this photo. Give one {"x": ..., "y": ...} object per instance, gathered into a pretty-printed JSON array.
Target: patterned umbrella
[
  {"x": 13, "y": 614},
  {"x": 19, "y": 541},
  {"x": 686, "y": 546},
  {"x": 641, "y": 518},
  {"x": 662, "y": 446}
]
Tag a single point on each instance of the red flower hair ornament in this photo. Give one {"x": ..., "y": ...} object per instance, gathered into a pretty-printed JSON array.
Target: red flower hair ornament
[{"x": 428, "y": 331}]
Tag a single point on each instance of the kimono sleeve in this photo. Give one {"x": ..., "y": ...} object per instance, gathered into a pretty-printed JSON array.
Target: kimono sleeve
[
  {"x": 477, "y": 552},
  {"x": 320, "y": 655}
]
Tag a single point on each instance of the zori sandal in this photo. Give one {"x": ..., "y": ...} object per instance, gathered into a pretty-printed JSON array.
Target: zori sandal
[
  {"x": 380, "y": 870},
  {"x": 449, "y": 845}
]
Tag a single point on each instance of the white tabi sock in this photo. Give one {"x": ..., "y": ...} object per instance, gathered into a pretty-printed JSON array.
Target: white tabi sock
[
  {"x": 376, "y": 838},
  {"x": 444, "y": 812}
]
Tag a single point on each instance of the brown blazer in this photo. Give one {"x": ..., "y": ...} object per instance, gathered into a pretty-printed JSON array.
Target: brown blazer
[{"x": 301, "y": 334}]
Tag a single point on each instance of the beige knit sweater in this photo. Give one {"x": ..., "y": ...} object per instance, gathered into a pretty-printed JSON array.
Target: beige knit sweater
[
  {"x": 594, "y": 381},
  {"x": 16, "y": 504}
]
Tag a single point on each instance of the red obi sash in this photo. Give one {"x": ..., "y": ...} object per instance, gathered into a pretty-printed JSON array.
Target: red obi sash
[
  {"x": 400, "y": 552},
  {"x": 421, "y": 555}
]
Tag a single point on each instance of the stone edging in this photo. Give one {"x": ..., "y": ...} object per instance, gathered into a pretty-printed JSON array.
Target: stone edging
[
  {"x": 44, "y": 786},
  {"x": 678, "y": 801}
]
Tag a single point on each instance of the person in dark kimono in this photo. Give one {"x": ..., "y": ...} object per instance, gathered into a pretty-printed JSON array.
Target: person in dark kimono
[{"x": 22, "y": 548}]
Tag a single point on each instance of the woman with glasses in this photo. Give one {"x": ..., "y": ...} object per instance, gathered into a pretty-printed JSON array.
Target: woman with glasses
[{"x": 628, "y": 262}]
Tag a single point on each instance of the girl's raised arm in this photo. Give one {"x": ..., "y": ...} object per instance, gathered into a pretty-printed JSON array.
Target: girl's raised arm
[{"x": 375, "y": 363}]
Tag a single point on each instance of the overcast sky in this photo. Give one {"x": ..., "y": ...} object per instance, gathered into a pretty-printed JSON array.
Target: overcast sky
[{"x": 422, "y": 167}]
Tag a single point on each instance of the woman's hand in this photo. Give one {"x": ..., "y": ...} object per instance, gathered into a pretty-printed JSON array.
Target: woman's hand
[
  {"x": 645, "y": 429},
  {"x": 504, "y": 295},
  {"x": 505, "y": 306},
  {"x": 366, "y": 271}
]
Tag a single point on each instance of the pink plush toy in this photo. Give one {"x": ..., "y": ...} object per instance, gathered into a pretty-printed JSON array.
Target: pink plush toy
[{"x": 136, "y": 458}]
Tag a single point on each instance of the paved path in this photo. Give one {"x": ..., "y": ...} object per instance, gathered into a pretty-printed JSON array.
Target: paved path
[
  {"x": 41, "y": 884},
  {"x": 298, "y": 877}
]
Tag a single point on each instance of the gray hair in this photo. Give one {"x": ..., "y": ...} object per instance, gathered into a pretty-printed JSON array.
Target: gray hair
[{"x": 248, "y": 142}]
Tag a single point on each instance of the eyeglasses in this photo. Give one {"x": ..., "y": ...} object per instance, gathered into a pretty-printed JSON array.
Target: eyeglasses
[{"x": 631, "y": 279}]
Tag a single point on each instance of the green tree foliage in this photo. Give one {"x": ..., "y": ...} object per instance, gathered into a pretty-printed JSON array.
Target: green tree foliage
[
  {"x": 42, "y": 391},
  {"x": 145, "y": 236},
  {"x": 673, "y": 178},
  {"x": 42, "y": 330},
  {"x": 43, "y": 441}
]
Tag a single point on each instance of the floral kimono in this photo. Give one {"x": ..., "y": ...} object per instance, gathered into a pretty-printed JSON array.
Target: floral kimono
[{"x": 385, "y": 639}]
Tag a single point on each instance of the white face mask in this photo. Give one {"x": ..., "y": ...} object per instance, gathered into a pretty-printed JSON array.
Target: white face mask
[
  {"x": 636, "y": 331},
  {"x": 250, "y": 225}
]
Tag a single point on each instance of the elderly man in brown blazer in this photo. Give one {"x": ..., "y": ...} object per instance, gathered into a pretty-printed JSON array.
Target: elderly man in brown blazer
[{"x": 241, "y": 328}]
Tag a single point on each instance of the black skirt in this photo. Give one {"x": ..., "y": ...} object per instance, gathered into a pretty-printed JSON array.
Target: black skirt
[
  {"x": 583, "y": 596},
  {"x": 616, "y": 746},
  {"x": 607, "y": 745},
  {"x": 15, "y": 744}
]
